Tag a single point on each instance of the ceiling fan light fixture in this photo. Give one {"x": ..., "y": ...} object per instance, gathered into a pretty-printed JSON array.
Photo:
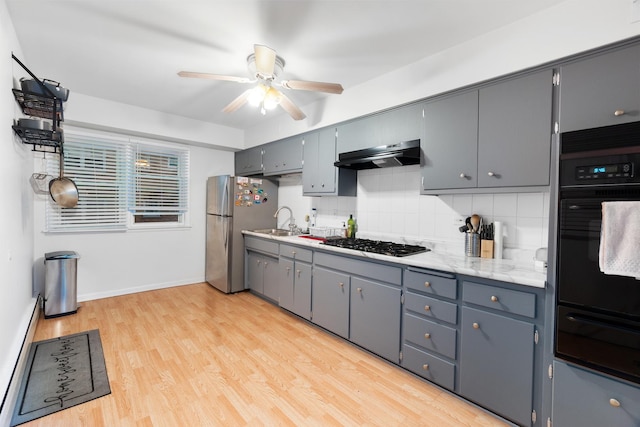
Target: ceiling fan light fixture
[
  {"x": 271, "y": 99},
  {"x": 257, "y": 95}
]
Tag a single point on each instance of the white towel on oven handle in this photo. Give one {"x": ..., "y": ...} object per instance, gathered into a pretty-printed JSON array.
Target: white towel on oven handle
[{"x": 620, "y": 239}]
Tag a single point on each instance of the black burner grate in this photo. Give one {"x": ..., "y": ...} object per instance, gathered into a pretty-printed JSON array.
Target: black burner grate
[{"x": 376, "y": 246}]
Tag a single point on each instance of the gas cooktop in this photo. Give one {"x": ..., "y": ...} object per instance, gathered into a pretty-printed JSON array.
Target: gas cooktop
[{"x": 376, "y": 246}]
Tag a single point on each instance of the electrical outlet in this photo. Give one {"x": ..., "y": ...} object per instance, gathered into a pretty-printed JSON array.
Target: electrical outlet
[{"x": 458, "y": 220}]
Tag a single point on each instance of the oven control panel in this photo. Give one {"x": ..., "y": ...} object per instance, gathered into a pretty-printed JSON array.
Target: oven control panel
[{"x": 600, "y": 171}]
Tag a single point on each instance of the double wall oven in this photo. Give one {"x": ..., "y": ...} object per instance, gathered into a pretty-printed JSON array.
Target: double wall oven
[{"x": 598, "y": 315}]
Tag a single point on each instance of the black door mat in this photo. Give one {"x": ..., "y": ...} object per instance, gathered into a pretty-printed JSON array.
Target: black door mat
[{"x": 61, "y": 373}]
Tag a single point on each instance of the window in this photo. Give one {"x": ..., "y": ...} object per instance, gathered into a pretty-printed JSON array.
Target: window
[{"x": 122, "y": 183}]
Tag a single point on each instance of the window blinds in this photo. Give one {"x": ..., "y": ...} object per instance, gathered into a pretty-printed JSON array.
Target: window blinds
[{"x": 116, "y": 176}]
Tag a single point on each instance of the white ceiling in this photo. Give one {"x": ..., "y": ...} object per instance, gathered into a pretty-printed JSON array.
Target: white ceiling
[{"x": 130, "y": 50}]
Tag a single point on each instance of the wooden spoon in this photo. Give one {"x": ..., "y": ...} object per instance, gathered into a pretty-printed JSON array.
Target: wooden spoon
[{"x": 475, "y": 223}]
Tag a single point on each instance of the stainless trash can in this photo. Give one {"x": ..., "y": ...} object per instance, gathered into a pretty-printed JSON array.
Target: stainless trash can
[{"x": 60, "y": 283}]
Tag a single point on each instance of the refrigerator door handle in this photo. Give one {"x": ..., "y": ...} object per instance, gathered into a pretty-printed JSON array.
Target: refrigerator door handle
[{"x": 226, "y": 209}]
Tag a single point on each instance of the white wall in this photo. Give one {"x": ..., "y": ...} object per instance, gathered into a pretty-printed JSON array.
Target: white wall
[
  {"x": 116, "y": 263},
  {"x": 16, "y": 213},
  {"x": 571, "y": 27}
]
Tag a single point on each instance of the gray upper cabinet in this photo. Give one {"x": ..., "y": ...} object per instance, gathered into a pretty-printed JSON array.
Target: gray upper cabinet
[
  {"x": 249, "y": 161},
  {"x": 284, "y": 156},
  {"x": 514, "y": 131},
  {"x": 319, "y": 176},
  {"x": 385, "y": 128},
  {"x": 495, "y": 138},
  {"x": 600, "y": 91},
  {"x": 450, "y": 143}
]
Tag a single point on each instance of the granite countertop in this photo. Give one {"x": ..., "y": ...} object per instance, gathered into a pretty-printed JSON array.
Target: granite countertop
[{"x": 497, "y": 269}]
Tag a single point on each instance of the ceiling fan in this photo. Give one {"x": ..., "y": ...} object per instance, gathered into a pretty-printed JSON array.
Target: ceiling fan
[{"x": 265, "y": 66}]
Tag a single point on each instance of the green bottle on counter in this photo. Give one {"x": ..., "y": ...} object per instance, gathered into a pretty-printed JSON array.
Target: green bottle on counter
[{"x": 351, "y": 227}]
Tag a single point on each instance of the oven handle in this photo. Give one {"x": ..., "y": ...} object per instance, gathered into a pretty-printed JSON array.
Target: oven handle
[{"x": 573, "y": 317}]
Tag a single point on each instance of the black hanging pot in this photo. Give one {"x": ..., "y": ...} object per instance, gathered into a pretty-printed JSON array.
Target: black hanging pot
[{"x": 63, "y": 190}]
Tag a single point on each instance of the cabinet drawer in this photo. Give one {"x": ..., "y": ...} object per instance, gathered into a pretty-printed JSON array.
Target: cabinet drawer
[
  {"x": 267, "y": 246},
  {"x": 296, "y": 252},
  {"x": 431, "y": 307},
  {"x": 583, "y": 398},
  {"x": 428, "y": 366},
  {"x": 507, "y": 300},
  {"x": 431, "y": 336},
  {"x": 379, "y": 272},
  {"x": 437, "y": 285}
]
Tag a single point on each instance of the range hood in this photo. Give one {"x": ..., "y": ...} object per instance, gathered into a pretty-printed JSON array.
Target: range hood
[{"x": 384, "y": 156}]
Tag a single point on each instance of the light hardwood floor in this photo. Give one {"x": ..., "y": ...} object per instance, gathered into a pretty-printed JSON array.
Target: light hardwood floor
[{"x": 192, "y": 356}]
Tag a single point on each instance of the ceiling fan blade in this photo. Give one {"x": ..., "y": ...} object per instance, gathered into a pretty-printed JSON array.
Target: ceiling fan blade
[
  {"x": 265, "y": 60},
  {"x": 238, "y": 102},
  {"x": 291, "y": 108},
  {"x": 313, "y": 86},
  {"x": 214, "y": 77}
]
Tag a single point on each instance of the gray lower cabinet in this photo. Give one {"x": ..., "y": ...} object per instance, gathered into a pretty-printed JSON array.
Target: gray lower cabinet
[
  {"x": 586, "y": 399},
  {"x": 295, "y": 285},
  {"x": 429, "y": 326},
  {"x": 497, "y": 349},
  {"x": 263, "y": 276},
  {"x": 375, "y": 317},
  {"x": 600, "y": 91},
  {"x": 330, "y": 300},
  {"x": 249, "y": 161}
]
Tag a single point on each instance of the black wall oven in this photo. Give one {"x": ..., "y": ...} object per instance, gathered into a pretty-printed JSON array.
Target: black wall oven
[{"x": 598, "y": 315}]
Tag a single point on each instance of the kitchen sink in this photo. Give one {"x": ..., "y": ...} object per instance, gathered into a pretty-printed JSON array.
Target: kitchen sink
[{"x": 276, "y": 232}]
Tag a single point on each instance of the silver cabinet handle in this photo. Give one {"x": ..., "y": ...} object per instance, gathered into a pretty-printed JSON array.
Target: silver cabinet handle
[
  {"x": 427, "y": 307},
  {"x": 258, "y": 262},
  {"x": 293, "y": 253},
  {"x": 359, "y": 290},
  {"x": 288, "y": 269},
  {"x": 494, "y": 298},
  {"x": 427, "y": 284},
  {"x": 298, "y": 271},
  {"x": 463, "y": 176},
  {"x": 491, "y": 173},
  {"x": 341, "y": 284},
  {"x": 614, "y": 402},
  {"x": 618, "y": 113},
  {"x": 427, "y": 335},
  {"x": 425, "y": 367},
  {"x": 476, "y": 326}
]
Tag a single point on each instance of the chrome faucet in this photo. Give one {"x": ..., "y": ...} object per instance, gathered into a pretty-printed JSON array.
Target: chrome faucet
[{"x": 292, "y": 221}]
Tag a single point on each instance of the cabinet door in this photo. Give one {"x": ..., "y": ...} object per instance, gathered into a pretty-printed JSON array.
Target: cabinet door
[
  {"x": 286, "y": 283},
  {"x": 358, "y": 134},
  {"x": 496, "y": 364},
  {"x": 283, "y": 156},
  {"x": 330, "y": 301},
  {"x": 400, "y": 124},
  {"x": 592, "y": 90},
  {"x": 302, "y": 290},
  {"x": 327, "y": 173},
  {"x": 450, "y": 143},
  {"x": 272, "y": 278},
  {"x": 582, "y": 398},
  {"x": 514, "y": 132},
  {"x": 255, "y": 272},
  {"x": 375, "y": 317},
  {"x": 248, "y": 162}
]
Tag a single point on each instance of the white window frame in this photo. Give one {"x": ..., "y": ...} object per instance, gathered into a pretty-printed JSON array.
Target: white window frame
[{"x": 57, "y": 218}]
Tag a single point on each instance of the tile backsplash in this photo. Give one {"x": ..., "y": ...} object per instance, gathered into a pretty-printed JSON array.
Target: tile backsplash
[{"x": 389, "y": 206}]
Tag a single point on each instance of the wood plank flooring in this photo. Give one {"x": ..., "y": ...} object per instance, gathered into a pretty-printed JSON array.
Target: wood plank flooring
[{"x": 192, "y": 356}]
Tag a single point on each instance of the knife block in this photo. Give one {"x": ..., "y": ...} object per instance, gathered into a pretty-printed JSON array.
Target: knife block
[{"x": 486, "y": 248}]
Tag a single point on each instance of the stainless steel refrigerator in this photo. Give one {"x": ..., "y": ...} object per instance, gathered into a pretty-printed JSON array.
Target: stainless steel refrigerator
[{"x": 235, "y": 203}]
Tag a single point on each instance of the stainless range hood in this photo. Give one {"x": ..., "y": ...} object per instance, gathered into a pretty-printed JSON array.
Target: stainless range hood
[{"x": 384, "y": 156}]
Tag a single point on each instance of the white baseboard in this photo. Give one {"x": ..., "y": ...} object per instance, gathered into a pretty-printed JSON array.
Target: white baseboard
[
  {"x": 11, "y": 395},
  {"x": 126, "y": 291}
]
